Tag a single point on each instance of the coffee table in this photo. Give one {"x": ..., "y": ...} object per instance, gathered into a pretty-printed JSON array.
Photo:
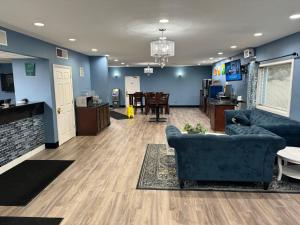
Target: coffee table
[{"x": 289, "y": 163}]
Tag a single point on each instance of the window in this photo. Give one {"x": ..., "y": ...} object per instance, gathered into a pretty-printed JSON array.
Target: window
[{"x": 274, "y": 87}]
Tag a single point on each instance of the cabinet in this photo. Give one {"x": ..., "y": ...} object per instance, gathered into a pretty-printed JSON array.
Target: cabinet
[
  {"x": 217, "y": 114},
  {"x": 91, "y": 120}
]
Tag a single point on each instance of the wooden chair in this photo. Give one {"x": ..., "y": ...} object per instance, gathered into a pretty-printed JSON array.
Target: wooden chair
[
  {"x": 138, "y": 101},
  {"x": 165, "y": 102}
]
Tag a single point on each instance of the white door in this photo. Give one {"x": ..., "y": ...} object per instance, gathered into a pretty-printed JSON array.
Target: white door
[
  {"x": 132, "y": 85},
  {"x": 64, "y": 103}
]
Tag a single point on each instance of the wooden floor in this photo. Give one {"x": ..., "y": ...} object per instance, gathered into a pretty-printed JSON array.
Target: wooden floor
[{"x": 100, "y": 186}]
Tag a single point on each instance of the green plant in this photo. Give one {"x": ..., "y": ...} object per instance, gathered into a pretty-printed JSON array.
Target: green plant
[{"x": 198, "y": 129}]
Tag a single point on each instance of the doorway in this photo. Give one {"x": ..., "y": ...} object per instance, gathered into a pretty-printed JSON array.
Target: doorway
[
  {"x": 132, "y": 85},
  {"x": 64, "y": 102}
]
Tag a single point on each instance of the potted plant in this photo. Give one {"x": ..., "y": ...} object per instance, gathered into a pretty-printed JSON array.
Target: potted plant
[{"x": 198, "y": 129}]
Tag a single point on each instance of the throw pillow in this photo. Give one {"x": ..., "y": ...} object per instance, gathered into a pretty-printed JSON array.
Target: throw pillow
[{"x": 241, "y": 119}]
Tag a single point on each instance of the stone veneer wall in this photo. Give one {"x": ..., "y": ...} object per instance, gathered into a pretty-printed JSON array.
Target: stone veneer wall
[{"x": 20, "y": 137}]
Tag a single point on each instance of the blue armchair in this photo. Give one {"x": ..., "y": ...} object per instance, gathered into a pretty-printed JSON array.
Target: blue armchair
[{"x": 247, "y": 158}]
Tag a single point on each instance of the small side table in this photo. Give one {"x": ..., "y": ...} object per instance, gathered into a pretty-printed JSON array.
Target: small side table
[{"x": 289, "y": 163}]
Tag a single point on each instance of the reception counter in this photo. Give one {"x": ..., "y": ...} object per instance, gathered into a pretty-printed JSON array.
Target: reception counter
[{"x": 21, "y": 130}]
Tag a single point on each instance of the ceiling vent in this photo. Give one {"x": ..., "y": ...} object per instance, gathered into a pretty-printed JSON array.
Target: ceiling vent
[
  {"x": 62, "y": 53},
  {"x": 3, "y": 38}
]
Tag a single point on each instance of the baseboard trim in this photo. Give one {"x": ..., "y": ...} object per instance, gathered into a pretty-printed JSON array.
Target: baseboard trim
[
  {"x": 52, "y": 145},
  {"x": 184, "y": 106},
  {"x": 22, "y": 158}
]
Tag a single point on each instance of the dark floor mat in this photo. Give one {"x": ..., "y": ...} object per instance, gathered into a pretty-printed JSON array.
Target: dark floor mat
[
  {"x": 19, "y": 185},
  {"x": 118, "y": 116},
  {"x": 29, "y": 221}
]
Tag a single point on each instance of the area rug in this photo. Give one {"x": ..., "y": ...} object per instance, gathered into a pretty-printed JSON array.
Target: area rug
[
  {"x": 19, "y": 185},
  {"x": 29, "y": 221},
  {"x": 118, "y": 116},
  {"x": 158, "y": 172}
]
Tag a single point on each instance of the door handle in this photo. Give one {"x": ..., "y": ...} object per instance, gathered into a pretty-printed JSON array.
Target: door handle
[{"x": 58, "y": 110}]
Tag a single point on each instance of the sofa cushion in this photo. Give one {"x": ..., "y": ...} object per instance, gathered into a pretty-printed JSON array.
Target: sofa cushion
[
  {"x": 241, "y": 118},
  {"x": 234, "y": 129}
]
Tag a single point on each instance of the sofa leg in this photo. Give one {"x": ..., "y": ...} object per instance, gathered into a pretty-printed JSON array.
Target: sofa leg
[
  {"x": 181, "y": 183},
  {"x": 266, "y": 185}
]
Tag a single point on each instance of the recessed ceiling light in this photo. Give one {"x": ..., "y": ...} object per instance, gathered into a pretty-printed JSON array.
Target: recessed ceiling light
[
  {"x": 127, "y": 65},
  {"x": 295, "y": 16},
  {"x": 211, "y": 58},
  {"x": 122, "y": 63},
  {"x": 39, "y": 24},
  {"x": 220, "y": 53},
  {"x": 106, "y": 55},
  {"x": 116, "y": 60},
  {"x": 233, "y": 46},
  {"x": 94, "y": 50},
  {"x": 72, "y": 39},
  {"x": 164, "y": 21},
  {"x": 258, "y": 34}
]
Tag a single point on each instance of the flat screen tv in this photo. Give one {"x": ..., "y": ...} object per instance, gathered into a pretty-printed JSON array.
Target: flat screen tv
[{"x": 233, "y": 70}]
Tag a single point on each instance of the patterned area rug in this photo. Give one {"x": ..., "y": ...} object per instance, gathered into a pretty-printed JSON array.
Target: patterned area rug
[{"x": 158, "y": 172}]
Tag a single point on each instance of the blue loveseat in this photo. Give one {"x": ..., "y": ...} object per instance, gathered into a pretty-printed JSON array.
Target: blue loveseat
[
  {"x": 262, "y": 122},
  {"x": 247, "y": 158}
]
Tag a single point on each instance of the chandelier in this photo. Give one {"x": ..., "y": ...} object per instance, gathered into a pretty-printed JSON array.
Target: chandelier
[
  {"x": 162, "y": 49},
  {"x": 148, "y": 70}
]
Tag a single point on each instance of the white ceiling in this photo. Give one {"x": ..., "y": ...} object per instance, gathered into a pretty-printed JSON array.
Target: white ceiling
[{"x": 124, "y": 28}]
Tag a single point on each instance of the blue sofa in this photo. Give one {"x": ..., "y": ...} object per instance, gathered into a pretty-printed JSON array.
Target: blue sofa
[
  {"x": 260, "y": 121},
  {"x": 247, "y": 158}
]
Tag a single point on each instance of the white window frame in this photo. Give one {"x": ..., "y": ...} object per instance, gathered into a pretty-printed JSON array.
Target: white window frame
[{"x": 275, "y": 110}]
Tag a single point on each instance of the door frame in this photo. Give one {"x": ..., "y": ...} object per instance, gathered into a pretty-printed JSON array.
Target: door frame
[
  {"x": 55, "y": 66},
  {"x": 126, "y": 95}
]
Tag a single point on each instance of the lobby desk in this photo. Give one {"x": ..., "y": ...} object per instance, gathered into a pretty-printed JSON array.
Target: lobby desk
[
  {"x": 216, "y": 113},
  {"x": 21, "y": 130}
]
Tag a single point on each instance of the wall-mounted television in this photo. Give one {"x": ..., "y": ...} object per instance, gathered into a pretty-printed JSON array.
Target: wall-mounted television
[
  {"x": 233, "y": 70},
  {"x": 7, "y": 83}
]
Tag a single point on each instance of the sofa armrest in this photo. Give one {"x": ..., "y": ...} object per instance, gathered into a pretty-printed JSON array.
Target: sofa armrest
[{"x": 229, "y": 114}]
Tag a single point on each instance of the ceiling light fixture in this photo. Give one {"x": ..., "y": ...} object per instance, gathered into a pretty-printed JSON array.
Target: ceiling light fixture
[
  {"x": 148, "y": 70},
  {"x": 39, "y": 24},
  {"x": 211, "y": 58},
  {"x": 94, "y": 50},
  {"x": 116, "y": 60},
  {"x": 164, "y": 21},
  {"x": 220, "y": 53},
  {"x": 127, "y": 65},
  {"x": 106, "y": 55},
  {"x": 233, "y": 46},
  {"x": 122, "y": 63},
  {"x": 162, "y": 49},
  {"x": 72, "y": 39},
  {"x": 295, "y": 17},
  {"x": 258, "y": 34}
]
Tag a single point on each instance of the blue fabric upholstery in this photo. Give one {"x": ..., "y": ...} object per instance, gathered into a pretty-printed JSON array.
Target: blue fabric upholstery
[
  {"x": 248, "y": 158},
  {"x": 280, "y": 125}
]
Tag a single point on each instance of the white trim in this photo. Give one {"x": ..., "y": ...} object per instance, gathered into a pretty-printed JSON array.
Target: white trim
[
  {"x": 274, "y": 110},
  {"x": 60, "y": 142},
  {"x": 20, "y": 159}
]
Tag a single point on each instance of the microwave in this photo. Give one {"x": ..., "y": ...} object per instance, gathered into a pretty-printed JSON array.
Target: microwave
[{"x": 84, "y": 101}]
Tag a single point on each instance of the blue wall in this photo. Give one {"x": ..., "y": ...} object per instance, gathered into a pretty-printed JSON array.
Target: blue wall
[
  {"x": 6, "y": 68},
  {"x": 239, "y": 87},
  {"x": 35, "y": 88},
  {"x": 278, "y": 48},
  {"x": 285, "y": 46},
  {"x": 99, "y": 77},
  {"x": 26, "y": 45},
  {"x": 183, "y": 90}
]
